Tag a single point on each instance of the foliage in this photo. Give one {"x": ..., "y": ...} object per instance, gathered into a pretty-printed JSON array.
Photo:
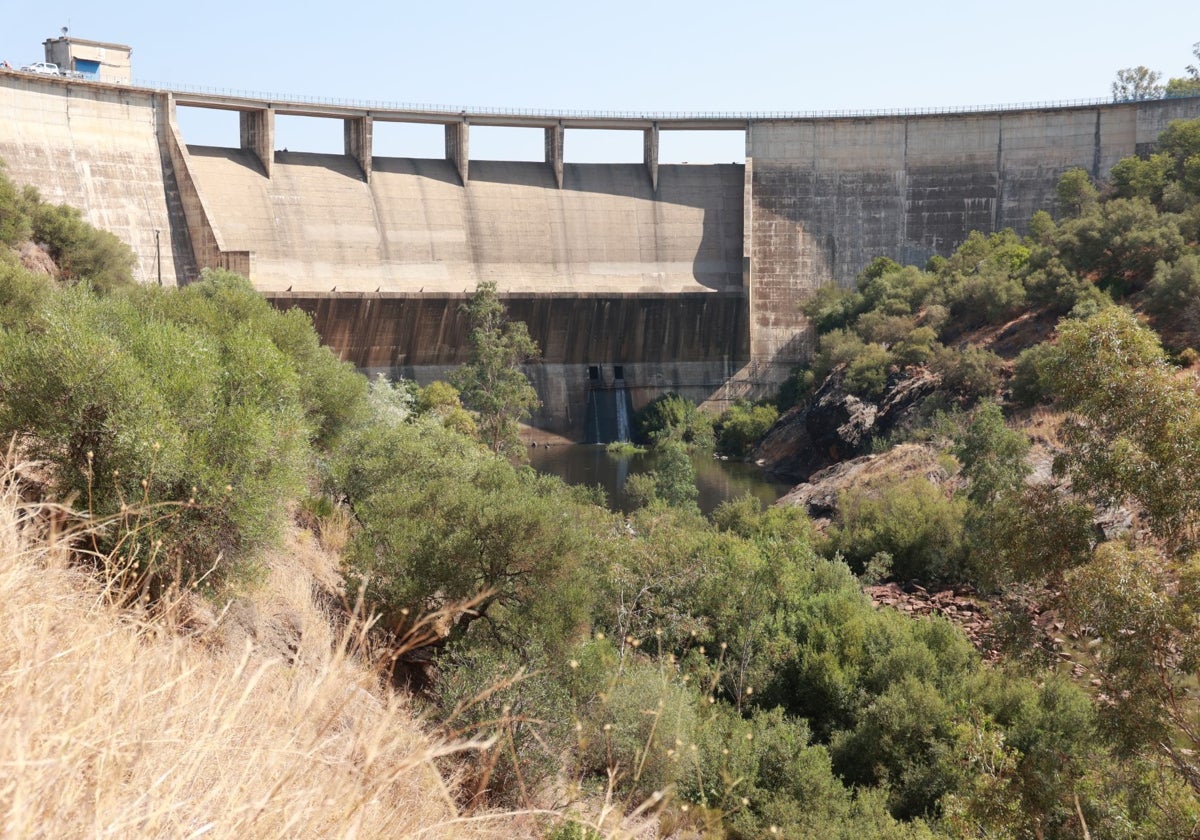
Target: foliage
[
  {"x": 670, "y": 417},
  {"x": 1076, "y": 193},
  {"x": 1119, "y": 243},
  {"x": 83, "y": 253},
  {"x": 442, "y": 522},
  {"x": 21, "y": 292},
  {"x": 15, "y": 224},
  {"x": 912, "y": 521},
  {"x": 491, "y": 382},
  {"x": 970, "y": 373},
  {"x": 135, "y": 406},
  {"x": 1173, "y": 295},
  {"x": 992, "y": 455},
  {"x": 1134, "y": 428},
  {"x": 526, "y": 711},
  {"x": 1149, "y": 651},
  {"x": 1134, "y": 83},
  {"x": 742, "y": 425},
  {"x": 674, "y": 475}
]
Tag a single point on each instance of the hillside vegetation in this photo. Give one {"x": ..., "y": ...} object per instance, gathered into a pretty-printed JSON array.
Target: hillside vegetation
[{"x": 654, "y": 674}]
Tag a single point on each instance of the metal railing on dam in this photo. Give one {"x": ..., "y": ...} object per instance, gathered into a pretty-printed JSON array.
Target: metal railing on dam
[{"x": 735, "y": 119}]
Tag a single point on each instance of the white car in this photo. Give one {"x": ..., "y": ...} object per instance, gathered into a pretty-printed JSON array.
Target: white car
[{"x": 43, "y": 67}]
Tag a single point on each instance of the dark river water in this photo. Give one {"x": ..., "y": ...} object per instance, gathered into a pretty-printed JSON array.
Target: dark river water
[{"x": 716, "y": 480}]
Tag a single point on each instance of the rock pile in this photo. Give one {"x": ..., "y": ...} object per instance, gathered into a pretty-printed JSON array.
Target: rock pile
[{"x": 962, "y": 606}]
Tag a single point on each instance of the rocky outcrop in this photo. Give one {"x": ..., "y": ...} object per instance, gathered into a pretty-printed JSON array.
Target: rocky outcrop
[
  {"x": 820, "y": 494},
  {"x": 834, "y": 425}
]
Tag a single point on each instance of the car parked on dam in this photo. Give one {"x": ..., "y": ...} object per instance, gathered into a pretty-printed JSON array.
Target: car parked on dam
[{"x": 45, "y": 68}]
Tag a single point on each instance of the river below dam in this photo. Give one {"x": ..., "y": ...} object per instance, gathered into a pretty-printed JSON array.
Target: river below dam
[{"x": 716, "y": 480}]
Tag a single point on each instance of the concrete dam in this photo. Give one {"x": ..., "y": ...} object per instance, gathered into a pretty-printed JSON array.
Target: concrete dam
[{"x": 634, "y": 278}]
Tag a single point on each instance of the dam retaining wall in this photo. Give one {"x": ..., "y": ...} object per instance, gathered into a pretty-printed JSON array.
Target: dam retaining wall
[{"x": 686, "y": 277}]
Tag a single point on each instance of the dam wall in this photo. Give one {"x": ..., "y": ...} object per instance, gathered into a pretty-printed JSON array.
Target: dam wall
[
  {"x": 316, "y": 223},
  {"x": 98, "y": 147},
  {"x": 676, "y": 277},
  {"x": 692, "y": 344},
  {"x": 826, "y": 196}
]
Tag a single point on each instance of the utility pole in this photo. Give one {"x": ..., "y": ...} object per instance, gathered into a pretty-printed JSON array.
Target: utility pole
[{"x": 158, "y": 256}]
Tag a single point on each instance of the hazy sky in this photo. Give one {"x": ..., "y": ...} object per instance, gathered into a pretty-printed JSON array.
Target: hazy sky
[{"x": 659, "y": 55}]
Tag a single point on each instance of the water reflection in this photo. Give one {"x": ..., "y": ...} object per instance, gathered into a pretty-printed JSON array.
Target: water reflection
[{"x": 716, "y": 480}]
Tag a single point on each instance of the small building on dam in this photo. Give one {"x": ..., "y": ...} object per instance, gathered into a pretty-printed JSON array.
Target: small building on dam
[{"x": 634, "y": 278}]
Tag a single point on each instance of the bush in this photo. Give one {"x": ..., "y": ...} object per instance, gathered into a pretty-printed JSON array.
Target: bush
[
  {"x": 970, "y": 373},
  {"x": 742, "y": 425},
  {"x": 917, "y": 348},
  {"x": 442, "y": 521},
  {"x": 671, "y": 417},
  {"x": 913, "y": 521},
  {"x": 641, "y": 728},
  {"x": 1029, "y": 383},
  {"x": 988, "y": 295},
  {"x": 21, "y": 292},
  {"x": 132, "y": 408},
  {"x": 866, "y": 373},
  {"x": 528, "y": 711},
  {"x": 1175, "y": 288},
  {"x": 83, "y": 253}
]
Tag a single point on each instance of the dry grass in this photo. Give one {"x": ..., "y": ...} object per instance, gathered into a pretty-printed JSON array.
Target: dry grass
[{"x": 119, "y": 725}]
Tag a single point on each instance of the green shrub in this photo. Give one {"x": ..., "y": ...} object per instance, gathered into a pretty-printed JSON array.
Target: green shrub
[
  {"x": 671, "y": 417},
  {"x": 742, "y": 425},
  {"x": 442, "y": 521},
  {"x": 15, "y": 225},
  {"x": 970, "y": 373},
  {"x": 83, "y": 253},
  {"x": 917, "y": 348},
  {"x": 913, "y": 521},
  {"x": 991, "y": 294},
  {"x": 21, "y": 292},
  {"x": 866, "y": 373},
  {"x": 134, "y": 411},
  {"x": 518, "y": 701},
  {"x": 904, "y": 740},
  {"x": 642, "y": 729},
  {"x": 1175, "y": 288},
  {"x": 1029, "y": 383},
  {"x": 332, "y": 393},
  {"x": 1058, "y": 289}
]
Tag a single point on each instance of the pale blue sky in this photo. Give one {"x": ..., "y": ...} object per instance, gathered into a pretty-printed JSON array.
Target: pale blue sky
[{"x": 660, "y": 55}]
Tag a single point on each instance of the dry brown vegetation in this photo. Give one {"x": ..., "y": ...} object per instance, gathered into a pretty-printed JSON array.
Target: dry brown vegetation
[{"x": 116, "y": 723}]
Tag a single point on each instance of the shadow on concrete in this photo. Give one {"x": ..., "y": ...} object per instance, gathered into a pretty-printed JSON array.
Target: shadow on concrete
[
  {"x": 436, "y": 169},
  {"x": 242, "y": 157},
  {"x": 517, "y": 173},
  {"x": 340, "y": 164}
]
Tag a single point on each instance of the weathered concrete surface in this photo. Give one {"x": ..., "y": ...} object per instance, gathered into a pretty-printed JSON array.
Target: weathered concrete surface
[
  {"x": 672, "y": 249},
  {"x": 315, "y": 224},
  {"x": 825, "y": 196},
  {"x": 96, "y": 147},
  {"x": 689, "y": 343}
]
